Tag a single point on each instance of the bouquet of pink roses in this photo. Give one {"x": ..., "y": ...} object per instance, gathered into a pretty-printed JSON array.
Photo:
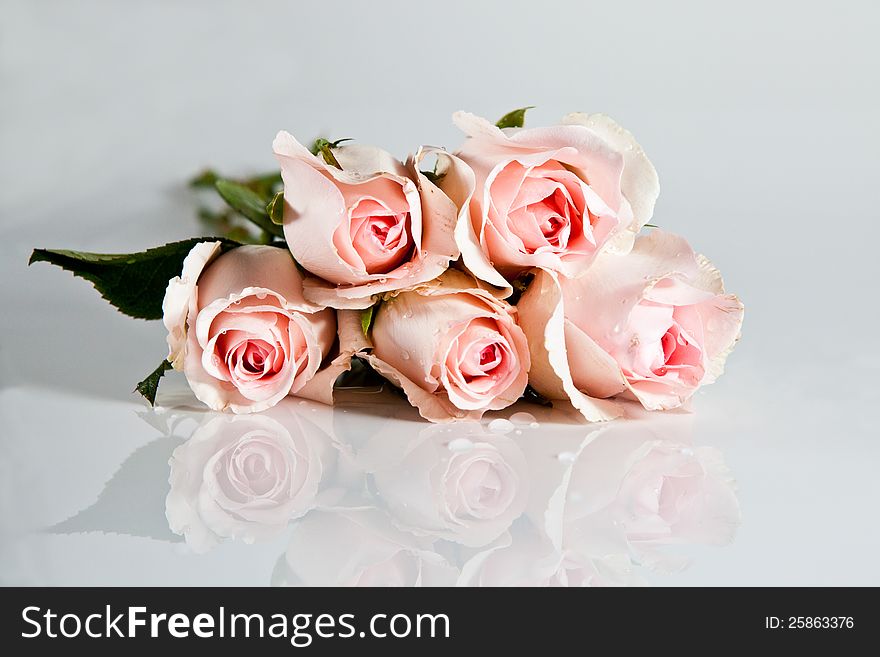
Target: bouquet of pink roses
[{"x": 512, "y": 267}]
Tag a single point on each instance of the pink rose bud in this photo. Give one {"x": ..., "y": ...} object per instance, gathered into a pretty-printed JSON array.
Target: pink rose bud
[
  {"x": 369, "y": 227},
  {"x": 653, "y": 325},
  {"x": 240, "y": 330},
  {"x": 455, "y": 349},
  {"x": 551, "y": 197}
]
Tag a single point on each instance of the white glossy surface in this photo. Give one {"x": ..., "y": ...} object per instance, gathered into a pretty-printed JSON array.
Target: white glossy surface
[{"x": 766, "y": 148}]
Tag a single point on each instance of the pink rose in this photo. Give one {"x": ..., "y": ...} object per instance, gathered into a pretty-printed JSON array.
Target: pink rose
[
  {"x": 455, "y": 349},
  {"x": 240, "y": 329},
  {"x": 653, "y": 325},
  {"x": 551, "y": 197},
  {"x": 370, "y": 227},
  {"x": 245, "y": 477}
]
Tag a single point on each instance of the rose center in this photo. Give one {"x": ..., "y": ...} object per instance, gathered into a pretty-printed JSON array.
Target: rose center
[
  {"x": 380, "y": 236},
  {"x": 551, "y": 215}
]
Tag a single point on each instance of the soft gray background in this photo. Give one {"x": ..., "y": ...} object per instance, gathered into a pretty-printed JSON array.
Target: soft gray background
[{"x": 761, "y": 118}]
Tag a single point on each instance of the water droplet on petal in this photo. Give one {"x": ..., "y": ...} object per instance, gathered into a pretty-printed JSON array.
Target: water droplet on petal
[
  {"x": 522, "y": 418},
  {"x": 460, "y": 445},
  {"x": 500, "y": 425},
  {"x": 404, "y": 355}
]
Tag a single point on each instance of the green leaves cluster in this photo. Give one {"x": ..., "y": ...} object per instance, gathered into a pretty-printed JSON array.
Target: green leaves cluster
[{"x": 258, "y": 201}]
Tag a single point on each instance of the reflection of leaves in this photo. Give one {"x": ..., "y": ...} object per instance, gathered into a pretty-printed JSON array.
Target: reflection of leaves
[{"x": 133, "y": 501}]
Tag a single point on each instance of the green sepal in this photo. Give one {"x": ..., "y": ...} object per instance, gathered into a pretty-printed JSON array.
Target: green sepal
[
  {"x": 514, "y": 119},
  {"x": 275, "y": 209},
  {"x": 150, "y": 385}
]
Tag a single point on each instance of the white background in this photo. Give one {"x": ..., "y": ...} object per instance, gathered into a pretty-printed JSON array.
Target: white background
[{"x": 761, "y": 118}]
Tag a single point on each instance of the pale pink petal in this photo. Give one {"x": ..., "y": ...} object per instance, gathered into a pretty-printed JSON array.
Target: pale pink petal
[
  {"x": 639, "y": 182},
  {"x": 541, "y": 316},
  {"x": 319, "y": 388},
  {"x": 181, "y": 289}
]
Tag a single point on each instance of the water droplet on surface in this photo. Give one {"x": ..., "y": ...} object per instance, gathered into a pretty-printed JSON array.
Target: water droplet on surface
[
  {"x": 616, "y": 328},
  {"x": 383, "y": 280},
  {"x": 408, "y": 314},
  {"x": 534, "y": 425},
  {"x": 261, "y": 295},
  {"x": 500, "y": 425},
  {"x": 566, "y": 457},
  {"x": 460, "y": 445},
  {"x": 522, "y": 418},
  {"x": 404, "y": 355}
]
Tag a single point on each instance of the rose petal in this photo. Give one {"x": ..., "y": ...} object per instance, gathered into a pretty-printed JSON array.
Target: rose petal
[{"x": 542, "y": 319}]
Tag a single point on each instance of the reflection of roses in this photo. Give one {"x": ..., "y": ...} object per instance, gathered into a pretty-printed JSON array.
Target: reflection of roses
[
  {"x": 551, "y": 197},
  {"x": 627, "y": 484},
  {"x": 466, "y": 486},
  {"x": 244, "y": 477},
  {"x": 240, "y": 329},
  {"x": 654, "y": 324},
  {"x": 369, "y": 227},
  {"x": 454, "y": 348},
  {"x": 358, "y": 547},
  {"x": 528, "y": 559}
]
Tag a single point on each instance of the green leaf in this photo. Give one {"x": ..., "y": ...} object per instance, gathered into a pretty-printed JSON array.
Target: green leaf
[
  {"x": 263, "y": 184},
  {"x": 367, "y": 317},
  {"x": 248, "y": 204},
  {"x": 514, "y": 119},
  {"x": 204, "y": 180},
  {"x": 150, "y": 385},
  {"x": 275, "y": 209},
  {"x": 133, "y": 282}
]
